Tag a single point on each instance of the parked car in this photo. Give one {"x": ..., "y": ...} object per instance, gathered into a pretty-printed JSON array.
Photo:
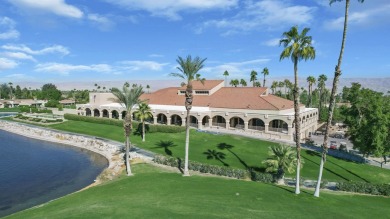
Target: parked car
[
  {"x": 343, "y": 147},
  {"x": 333, "y": 145}
]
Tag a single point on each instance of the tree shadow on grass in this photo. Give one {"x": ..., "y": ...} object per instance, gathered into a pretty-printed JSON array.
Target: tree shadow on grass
[
  {"x": 350, "y": 172},
  {"x": 217, "y": 155},
  {"x": 229, "y": 148},
  {"x": 329, "y": 170},
  {"x": 166, "y": 145}
]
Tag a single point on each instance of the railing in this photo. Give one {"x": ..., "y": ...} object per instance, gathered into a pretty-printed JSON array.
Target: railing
[
  {"x": 281, "y": 130},
  {"x": 223, "y": 125},
  {"x": 206, "y": 124},
  {"x": 239, "y": 126},
  {"x": 195, "y": 125},
  {"x": 258, "y": 128}
]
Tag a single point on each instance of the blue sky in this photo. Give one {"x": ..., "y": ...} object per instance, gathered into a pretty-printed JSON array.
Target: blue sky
[{"x": 98, "y": 40}]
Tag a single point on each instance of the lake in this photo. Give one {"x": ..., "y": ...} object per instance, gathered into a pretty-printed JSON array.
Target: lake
[{"x": 33, "y": 172}]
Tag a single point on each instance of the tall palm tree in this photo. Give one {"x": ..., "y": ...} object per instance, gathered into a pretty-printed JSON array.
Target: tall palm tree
[
  {"x": 226, "y": 73},
  {"x": 282, "y": 159},
  {"x": 10, "y": 88},
  {"x": 337, "y": 74},
  {"x": 274, "y": 85},
  {"x": 148, "y": 87},
  {"x": 253, "y": 77},
  {"x": 321, "y": 85},
  {"x": 128, "y": 98},
  {"x": 265, "y": 72},
  {"x": 297, "y": 46},
  {"x": 280, "y": 85},
  {"x": 311, "y": 80},
  {"x": 243, "y": 83},
  {"x": 189, "y": 69},
  {"x": 234, "y": 82},
  {"x": 287, "y": 83},
  {"x": 143, "y": 113}
]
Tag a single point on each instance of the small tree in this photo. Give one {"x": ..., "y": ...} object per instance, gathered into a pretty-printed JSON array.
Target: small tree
[
  {"x": 282, "y": 159},
  {"x": 143, "y": 113}
]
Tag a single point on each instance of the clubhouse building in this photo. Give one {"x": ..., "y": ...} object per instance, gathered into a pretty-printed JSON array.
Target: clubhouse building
[{"x": 243, "y": 109}]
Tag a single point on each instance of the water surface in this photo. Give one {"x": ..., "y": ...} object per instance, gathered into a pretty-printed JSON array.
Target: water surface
[{"x": 33, "y": 172}]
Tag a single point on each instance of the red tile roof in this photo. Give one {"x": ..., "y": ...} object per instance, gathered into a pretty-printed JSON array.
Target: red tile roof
[
  {"x": 226, "y": 97},
  {"x": 207, "y": 85}
]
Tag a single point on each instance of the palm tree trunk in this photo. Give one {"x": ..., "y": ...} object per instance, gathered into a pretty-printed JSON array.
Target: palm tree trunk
[
  {"x": 332, "y": 98},
  {"x": 186, "y": 172},
  {"x": 143, "y": 130},
  {"x": 128, "y": 168},
  {"x": 297, "y": 126},
  {"x": 264, "y": 81}
]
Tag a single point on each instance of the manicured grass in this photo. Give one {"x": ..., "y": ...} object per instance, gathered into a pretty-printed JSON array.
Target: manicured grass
[
  {"x": 152, "y": 193},
  {"x": 11, "y": 110},
  {"x": 244, "y": 152}
]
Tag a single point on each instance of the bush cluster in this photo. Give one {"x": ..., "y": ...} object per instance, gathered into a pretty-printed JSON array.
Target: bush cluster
[
  {"x": 203, "y": 168},
  {"x": 213, "y": 169},
  {"x": 364, "y": 187},
  {"x": 22, "y": 117},
  {"x": 137, "y": 126},
  {"x": 27, "y": 109}
]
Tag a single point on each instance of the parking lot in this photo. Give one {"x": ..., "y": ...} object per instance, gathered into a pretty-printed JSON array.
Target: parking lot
[{"x": 319, "y": 139}]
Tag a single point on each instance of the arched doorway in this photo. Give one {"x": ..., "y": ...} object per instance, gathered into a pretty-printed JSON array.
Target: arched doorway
[
  {"x": 219, "y": 121},
  {"x": 237, "y": 123},
  {"x": 193, "y": 122},
  {"x": 205, "y": 121},
  {"x": 115, "y": 114},
  {"x": 278, "y": 125},
  {"x": 96, "y": 113},
  {"x": 88, "y": 112},
  {"x": 123, "y": 114},
  {"x": 105, "y": 113},
  {"x": 176, "y": 120},
  {"x": 162, "y": 119},
  {"x": 256, "y": 124}
]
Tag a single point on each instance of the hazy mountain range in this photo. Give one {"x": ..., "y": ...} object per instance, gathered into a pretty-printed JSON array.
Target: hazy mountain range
[{"x": 377, "y": 84}]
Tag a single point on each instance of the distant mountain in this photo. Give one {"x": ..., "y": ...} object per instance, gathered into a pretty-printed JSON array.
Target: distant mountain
[{"x": 377, "y": 84}]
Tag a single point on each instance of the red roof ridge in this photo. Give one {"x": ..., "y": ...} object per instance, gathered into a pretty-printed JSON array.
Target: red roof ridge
[{"x": 269, "y": 101}]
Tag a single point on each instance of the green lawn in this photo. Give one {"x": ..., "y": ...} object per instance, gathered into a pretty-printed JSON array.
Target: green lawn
[
  {"x": 243, "y": 152},
  {"x": 11, "y": 110},
  {"x": 153, "y": 193}
]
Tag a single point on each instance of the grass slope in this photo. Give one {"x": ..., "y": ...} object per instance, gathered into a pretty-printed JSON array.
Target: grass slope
[
  {"x": 152, "y": 193},
  {"x": 243, "y": 152}
]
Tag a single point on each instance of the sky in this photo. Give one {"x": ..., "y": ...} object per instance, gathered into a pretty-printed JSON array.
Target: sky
[{"x": 53, "y": 41}]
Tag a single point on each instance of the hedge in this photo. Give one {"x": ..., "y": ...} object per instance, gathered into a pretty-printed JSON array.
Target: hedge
[
  {"x": 215, "y": 170},
  {"x": 27, "y": 109},
  {"x": 364, "y": 187},
  {"x": 136, "y": 125}
]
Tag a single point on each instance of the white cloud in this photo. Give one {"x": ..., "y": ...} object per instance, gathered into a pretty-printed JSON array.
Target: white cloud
[
  {"x": 236, "y": 69},
  {"x": 269, "y": 14},
  {"x": 19, "y": 55},
  {"x": 272, "y": 42},
  {"x": 171, "y": 8},
  {"x": 7, "y": 63},
  {"x": 51, "y": 49},
  {"x": 58, "y": 7},
  {"x": 9, "y": 29},
  {"x": 142, "y": 65},
  {"x": 18, "y": 77},
  {"x": 156, "y": 55},
  {"x": 376, "y": 14},
  {"x": 65, "y": 69},
  {"x": 102, "y": 22}
]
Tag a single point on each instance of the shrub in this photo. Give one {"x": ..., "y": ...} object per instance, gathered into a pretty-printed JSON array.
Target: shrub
[
  {"x": 364, "y": 187},
  {"x": 136, "y": 125},
  {"x": 52, "y": 103},
  {"x": 27, "y": 109},
  {"x": 261, "y": 177},
  {"x": 201, "y": 167}
]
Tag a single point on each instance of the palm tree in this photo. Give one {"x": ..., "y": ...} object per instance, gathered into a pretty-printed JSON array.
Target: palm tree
[
  {"x": 297, "y": 46},
  {"x": 243, "y": 83},
  {"x": 311, "y": 80},
  {"x": 321, "y": 85},
  {"x": 128, "y": 98},
  {"x": 189, "y": 69},
  {"x": 287, "y": 83},
  {"x": 143, "y": 113},
  {"x": 234, "y": 82},
  {"x": 253, "y": 77},
  {"x": 333, "y": 94},
  {"x": 265, "y": 72},
  {"x": 148, "y": 87},
  {"x": 226, "y": 73},
  {"x": 280, "y": 85},
  {"x": 10, "y": 88},
  {"x": 274, "y": 85},
  {"x": 282, "y": 158}
]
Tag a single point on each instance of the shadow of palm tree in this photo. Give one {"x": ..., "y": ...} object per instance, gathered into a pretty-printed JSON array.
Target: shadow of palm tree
[
  {"x": 352, "y": 173},
  {"x": 213, "y": 154},
  {"x": 327, "y": 169},
  {"x": 166, "y": 145},
  {"x": 229, "y": 148}
]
